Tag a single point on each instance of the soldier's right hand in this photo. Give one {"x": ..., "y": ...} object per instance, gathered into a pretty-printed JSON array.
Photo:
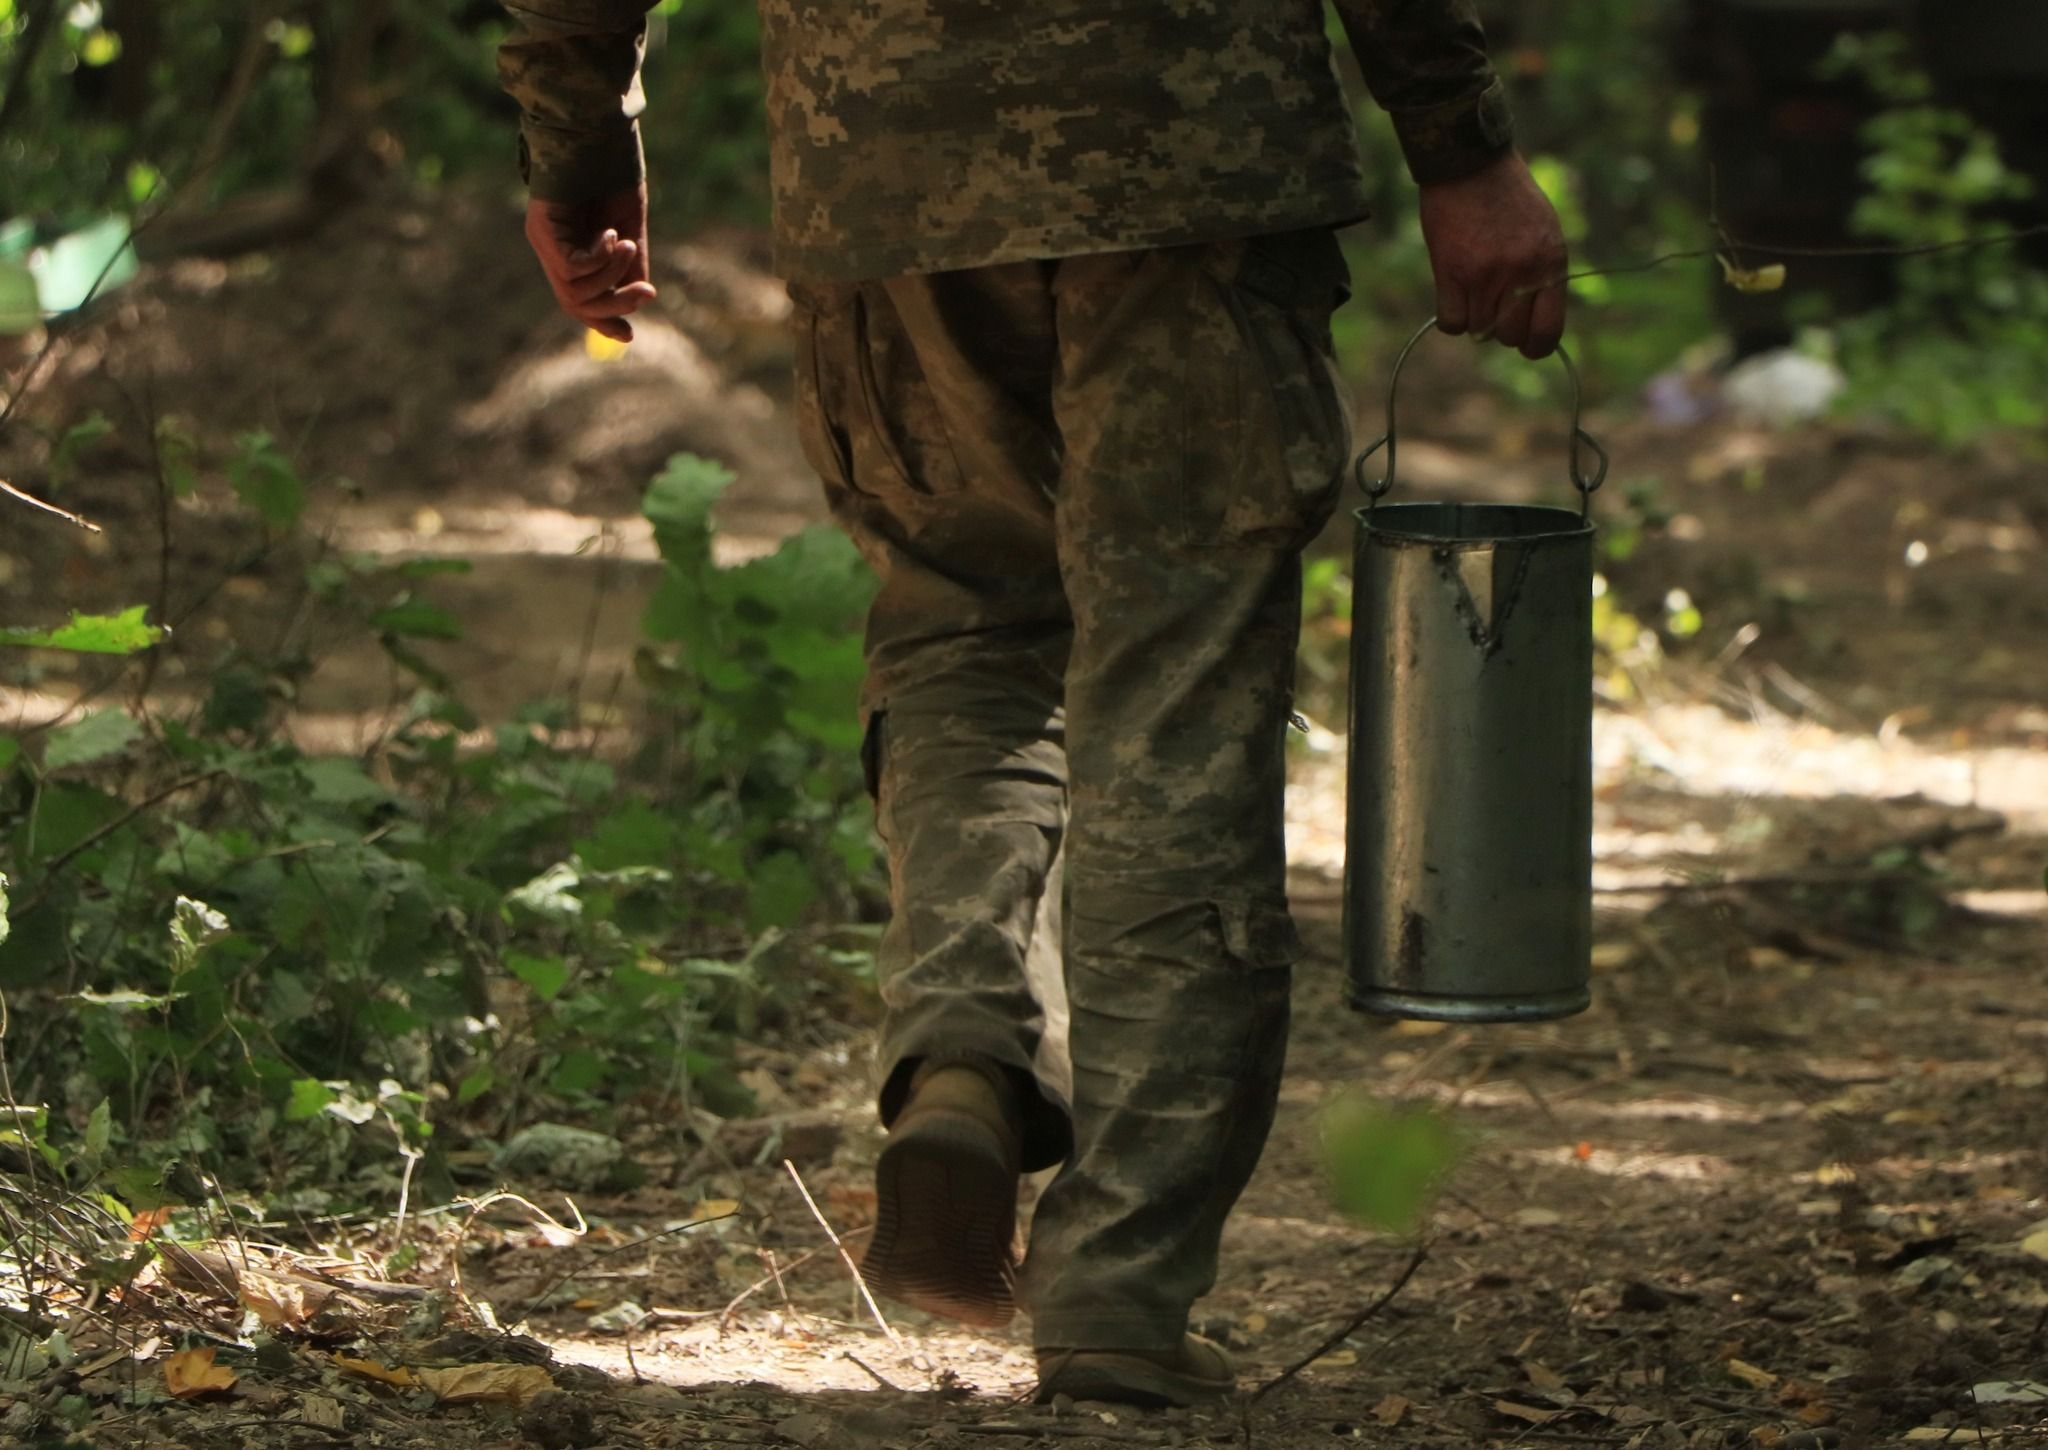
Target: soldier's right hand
[{"x": 595, "y": 256}]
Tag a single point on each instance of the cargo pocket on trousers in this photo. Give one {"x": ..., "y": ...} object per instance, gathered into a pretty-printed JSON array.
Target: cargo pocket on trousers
[
  {"x": 1174, "y": 1000},
  {"x": 825, "y": 444},
  {"x": 1268, "y": 432}
]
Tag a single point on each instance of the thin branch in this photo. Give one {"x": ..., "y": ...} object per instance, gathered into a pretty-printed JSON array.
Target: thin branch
[
  {"x": 45, "y": 505},
  {"x": 1350, "y": 1327},
  {"x": 851, "y": 1267},
  {"x": 1770, "y": 249},
  {"x": 93, "y": 838}
]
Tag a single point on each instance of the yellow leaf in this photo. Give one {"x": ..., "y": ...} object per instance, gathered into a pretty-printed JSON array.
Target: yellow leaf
[
  {"x": 604, "y": 349},
  {"x": 1415, "y": 1027},
  {"x": 1752, "y": 279},
  {"x": 371, "y": 1370},
  {"x": 1391, "y": 1410},
  {"x": 2036, "y": 1244},
  {"x": 511, "y": 1384},
  {"x": 1253, "y": 1323},
  {"x": 1339, "y": 1357},
  {"x": 191, "y": 1373},
  {"x": 716, "y": 1208},
  {"x": 1749, "y": 1374}
]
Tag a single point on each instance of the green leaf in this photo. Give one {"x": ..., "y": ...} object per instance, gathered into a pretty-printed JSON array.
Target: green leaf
[
  {"x": 309, "y": 1099},
  {"x": 94, "y": 634},
  {"x": 98, "y": 736},
  {"x": 545, "y": 975},
  {"x": 551, "y": 895},
  {"x": 99, "y": 1130},
  {"x": 781, "y": 888},
  {"x": 579, "y": 1071},
  {"x": 21, "y": 307},
  {"x": 195, "y": 926},
  {"x": 338, "y": 782},
  {"x": 263, "y": 478},
  {"x": 1386, "y": 1162},
  {"x": 124, "y": 1000},
  {"x": 409, "y": 618},
  {"x": 678, "y": 504},
  {"x": 10, "y": 751}
]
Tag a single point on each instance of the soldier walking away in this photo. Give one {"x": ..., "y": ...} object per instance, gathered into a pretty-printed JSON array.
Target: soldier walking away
[{"x": 1063, "y": 276}]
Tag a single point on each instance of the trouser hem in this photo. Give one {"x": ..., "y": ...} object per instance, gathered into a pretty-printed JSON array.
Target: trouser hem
[{"x": 1048, "y": 1133}]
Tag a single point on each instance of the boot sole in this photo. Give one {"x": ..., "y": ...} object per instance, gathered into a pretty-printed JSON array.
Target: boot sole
[
  {"x": 1122, "y": 1379},
  {"x": 946, "y": 1221}
]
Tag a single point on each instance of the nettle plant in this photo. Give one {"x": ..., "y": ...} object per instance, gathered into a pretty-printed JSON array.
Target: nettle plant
[{"x": 224, "y": 950}]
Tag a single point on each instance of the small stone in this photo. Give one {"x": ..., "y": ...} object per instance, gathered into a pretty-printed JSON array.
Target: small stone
[
  {"x": 563, "y": 1157},
  {"x": 1933, "y": 1272},
  {"x": 621, "y": 1318}
]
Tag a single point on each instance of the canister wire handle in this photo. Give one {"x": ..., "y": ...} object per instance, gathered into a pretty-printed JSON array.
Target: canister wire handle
[{"x": 1377, "y": 489}]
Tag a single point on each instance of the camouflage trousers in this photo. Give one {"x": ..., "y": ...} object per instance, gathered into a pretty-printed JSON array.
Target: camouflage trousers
[{"x": 1086, "y": 485}]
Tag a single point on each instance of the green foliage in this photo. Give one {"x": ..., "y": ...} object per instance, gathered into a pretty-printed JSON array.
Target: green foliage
[
  {"x": 220, "y": 98},
  {"x": 126, "y": 633},
  {"x": 1386, "y": 1162},
  {"x": 247, "y": 956},
  {"x": 1963, "y": 348}
]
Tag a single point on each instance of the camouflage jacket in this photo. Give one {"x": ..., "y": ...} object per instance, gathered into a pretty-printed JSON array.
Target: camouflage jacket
[{"x": 928, "y": 135}]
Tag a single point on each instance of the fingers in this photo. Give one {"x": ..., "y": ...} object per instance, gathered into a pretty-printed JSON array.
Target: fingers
[
  {"x": 1512, "y": 318},
  {"x": 598, "y": 281},
  {"x": 620, "y": 269},
  {"x": 1546, "y": 322},
  {"x": 1453, "y": 310}
]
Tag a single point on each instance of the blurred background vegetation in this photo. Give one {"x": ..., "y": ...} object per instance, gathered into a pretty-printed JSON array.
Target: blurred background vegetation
[{"x": 230, "y": 950}]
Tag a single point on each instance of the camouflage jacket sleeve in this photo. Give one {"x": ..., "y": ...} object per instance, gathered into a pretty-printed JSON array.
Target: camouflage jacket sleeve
[
  {"x": 574, "y": 68},
  {"x": 1425, "y": 62}
]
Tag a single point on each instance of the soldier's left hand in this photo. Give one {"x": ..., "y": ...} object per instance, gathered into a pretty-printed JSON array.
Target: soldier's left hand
[
  {"x": 1499, "y": 257},
  {"x": 595, "y": 256}
]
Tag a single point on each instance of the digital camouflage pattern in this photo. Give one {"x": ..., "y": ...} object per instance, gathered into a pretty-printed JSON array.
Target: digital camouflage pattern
[
  {"x": 933, "y": 135},
  {"x": 1085, "y": 486}
]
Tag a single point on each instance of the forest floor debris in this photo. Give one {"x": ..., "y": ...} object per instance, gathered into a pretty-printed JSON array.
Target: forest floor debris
[{"x": 1784, "y": 1186}]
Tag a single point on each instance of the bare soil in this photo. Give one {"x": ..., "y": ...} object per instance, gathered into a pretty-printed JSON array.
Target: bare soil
[{"x": 1783, "y": 1185}]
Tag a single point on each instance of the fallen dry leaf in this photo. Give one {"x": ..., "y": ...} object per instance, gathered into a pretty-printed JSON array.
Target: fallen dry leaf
[
  {"x": 2036, "y": 1243},
  {"x": 190, "y": 1373},
  {"x": 511, "y": 1384},
  {"x": 146, "y": 1223},
  {"x": 1392, "y": 1410},
  {"x": 1525, "y": 1412},
  {"x": 279, "y": 1302},
  {"x": 371, "y": 1370},
  {"x": 1542, "y": 1376},
  {"x": 1749, "y": 1374}
]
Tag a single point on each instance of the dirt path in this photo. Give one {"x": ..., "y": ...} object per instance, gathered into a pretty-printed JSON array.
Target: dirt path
[{"x": 1772, "y": 1190}]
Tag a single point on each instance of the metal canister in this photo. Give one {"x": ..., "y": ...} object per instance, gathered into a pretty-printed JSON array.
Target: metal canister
[{"x": 1468, "y": 871}]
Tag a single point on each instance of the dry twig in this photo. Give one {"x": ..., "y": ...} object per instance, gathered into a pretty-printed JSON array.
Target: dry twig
[
  {"x": 845, "y": 1258},
  {"x": 1350, "y": 1327}
]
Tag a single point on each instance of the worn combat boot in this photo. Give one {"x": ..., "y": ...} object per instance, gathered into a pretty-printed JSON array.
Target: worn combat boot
[
  {"x": 945, "y": 1237},
  {"x": 1196, "y": 1373}
]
